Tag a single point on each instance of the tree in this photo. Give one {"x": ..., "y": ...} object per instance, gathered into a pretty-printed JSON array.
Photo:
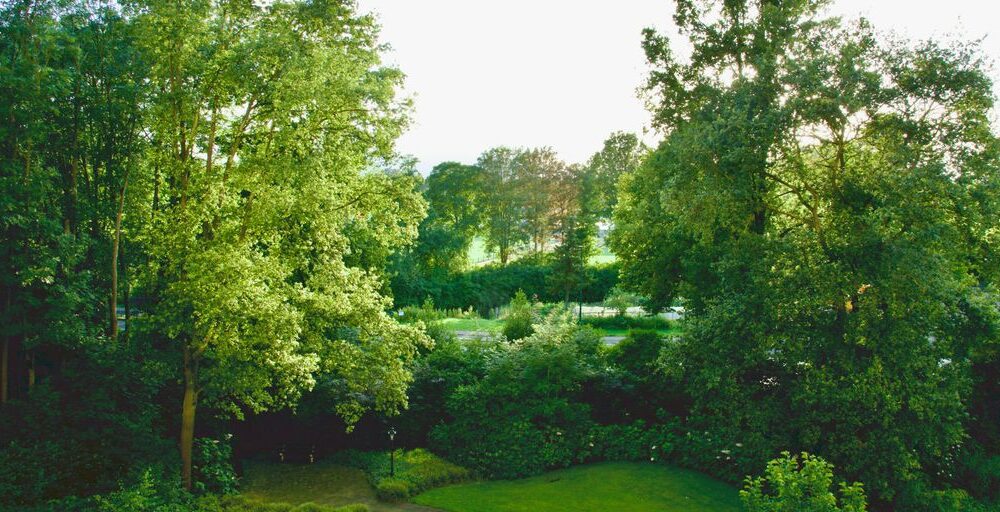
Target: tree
[
  {"x": 622, "y": 153},
  {"x": 264, "y": 119},
  {"x": 813, "y": 186},
  {"x": 539, "y": 173},
  {"x": 574, "y": 226},
  {"x": 452, "y": 191},
  {"x": 502, "y": 201}
]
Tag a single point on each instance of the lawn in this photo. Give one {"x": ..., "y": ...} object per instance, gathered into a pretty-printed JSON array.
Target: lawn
[
  {"x": 618, "y": 486},
  {"x": 624, "y": 332},
  {"x": 472, "y": 324},
  {"x": 483, "y": 325},
  {"x": 323, "y": 483}
]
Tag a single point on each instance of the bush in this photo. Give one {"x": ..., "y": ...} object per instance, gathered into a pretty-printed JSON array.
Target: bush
[
  {"x": 620, "y": 300},
  {"x": 628, "y": 322},
  {"x": 213, "y": 469},
  {"x": 633, "y": 442},
  {"x": 524, "y": 415},
  {"x": 520, "y": 317},
  {"x": 393, "y": 490},
  {"x": 802, "y": 485}
]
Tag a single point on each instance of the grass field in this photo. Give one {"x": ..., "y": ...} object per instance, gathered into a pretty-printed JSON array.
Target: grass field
[
  {"x": 472, "y": 324},
  {"x": 618, "y": 486}
]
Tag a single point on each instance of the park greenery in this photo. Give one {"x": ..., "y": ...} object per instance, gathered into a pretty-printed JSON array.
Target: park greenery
[{"x": 223, "y": 285}]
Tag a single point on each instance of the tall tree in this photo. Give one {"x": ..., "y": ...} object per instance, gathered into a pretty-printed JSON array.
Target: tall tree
[
  {"x": 453, "y": 218},
  {"x": 621, "y": 154},
  {"x": 818, "y": 201},
  {"x": 539, "y": 171},
  {"x": 265, "y": 118},
  {"x": 502, "y": 201},
  {"x": 573, "y": 202}
]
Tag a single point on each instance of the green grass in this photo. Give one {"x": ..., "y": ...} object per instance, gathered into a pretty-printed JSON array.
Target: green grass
[
  {"x": 618, "y": 486},
  {"x": 602, "y": 259},
  {"x": 624, "y": 332},
  {"x": 323, "y": 483},
  {"x": 482, "y": 325},
  {"x": 472, "y": 324}
]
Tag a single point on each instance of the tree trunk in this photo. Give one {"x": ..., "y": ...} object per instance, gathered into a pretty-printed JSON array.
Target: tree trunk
[
  {"x": 187, "y": 417},
  {"x": 128, "y": 310},
  {"x": 114, "y": 259},
  {"x": 31, "y": 372},
  {"x": 3, "y": 370}
]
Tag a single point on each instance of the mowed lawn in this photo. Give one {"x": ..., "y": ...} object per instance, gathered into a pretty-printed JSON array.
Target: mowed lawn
[
  {"x": 617, "y": 486},
  {"x": 483, "y": 325},
  {"x": 472, "y": 324}
]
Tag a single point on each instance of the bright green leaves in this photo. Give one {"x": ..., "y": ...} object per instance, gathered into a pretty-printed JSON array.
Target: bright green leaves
[
  {"x": 271, "y": 223},
  {"x": 793, "y": 485}
]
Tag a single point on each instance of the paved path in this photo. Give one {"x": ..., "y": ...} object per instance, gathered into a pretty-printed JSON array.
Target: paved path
[{"x": 475, "y": 335}]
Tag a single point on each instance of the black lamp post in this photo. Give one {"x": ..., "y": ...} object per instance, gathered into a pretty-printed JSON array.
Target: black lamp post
[{"x": 392, "y": 451}]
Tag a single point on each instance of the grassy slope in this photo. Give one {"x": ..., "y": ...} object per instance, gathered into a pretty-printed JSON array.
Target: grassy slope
[{"x": 618, "y": 486}]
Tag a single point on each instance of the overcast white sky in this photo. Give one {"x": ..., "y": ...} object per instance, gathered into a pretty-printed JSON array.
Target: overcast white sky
[{"x": 564, "y": 73}]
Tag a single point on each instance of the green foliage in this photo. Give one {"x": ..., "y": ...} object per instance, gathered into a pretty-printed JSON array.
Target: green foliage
[
  {"x": 523, "y": 416},
  {"x": 393, "y": 490},
  {"x": 794, "y": 484},
  {"x": 621, "y": 154},
  {"x": 491, "y": 286},
  {"x": 632, "y": 442},
  {"x": 520, "y": 318},
  {"x": 620, "y": 300},
  {"x": 648, "y": 323},
  {"x": 828, "y": 237},
  {"x": 82, "y": 434},
  {"x": 436, "y": 376},
  {"x": 213, "y": 469}
]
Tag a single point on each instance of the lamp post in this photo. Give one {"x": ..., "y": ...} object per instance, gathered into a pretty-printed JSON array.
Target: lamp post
[{"x": 392, "y": 452}]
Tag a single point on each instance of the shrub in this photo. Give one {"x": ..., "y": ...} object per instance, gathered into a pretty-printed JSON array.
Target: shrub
[
  {"x": 393, "y": 490},
  {"x": 213, "y": 470},
  {"x": 620, "y": 300},
  {"x": 802, "y": 485},
  {"x": 628, "y": 322},
  {"x": 524, "y": 415},
  {"x": 520, "y": 318},
  {"x": 633, "y": 442}
]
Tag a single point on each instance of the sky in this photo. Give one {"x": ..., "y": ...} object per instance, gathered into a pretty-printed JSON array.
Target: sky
[{"x": 565, "y": 73}]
